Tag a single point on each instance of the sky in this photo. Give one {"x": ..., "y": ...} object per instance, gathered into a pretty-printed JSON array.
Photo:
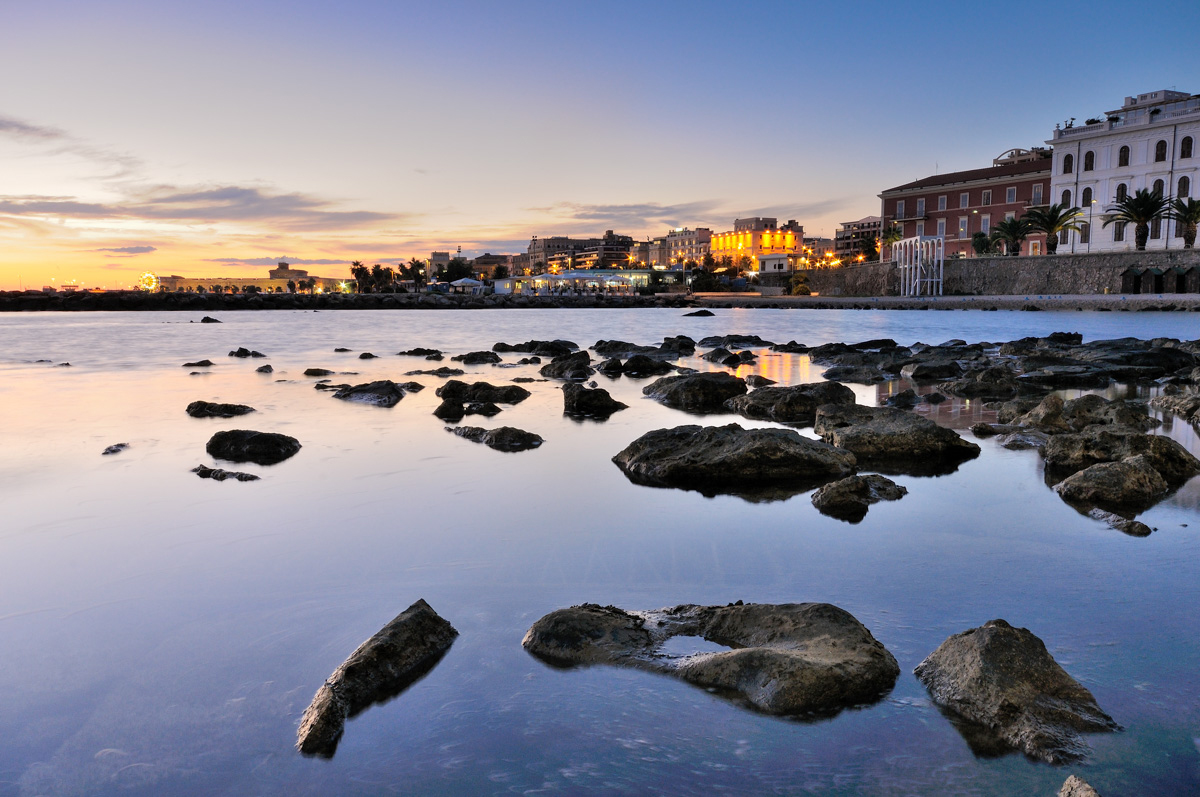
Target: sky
[{"x": 214, "y": 139}]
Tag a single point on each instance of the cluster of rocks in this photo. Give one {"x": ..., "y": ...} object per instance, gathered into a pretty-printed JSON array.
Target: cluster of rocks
[
  {"x": 381, "y": 393},
  {"x": 460, "y": 399},
  {"x": 502, "y": 438}
]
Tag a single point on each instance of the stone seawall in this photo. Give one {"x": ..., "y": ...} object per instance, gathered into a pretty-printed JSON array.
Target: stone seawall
[{"x": 1008, "y": 276}]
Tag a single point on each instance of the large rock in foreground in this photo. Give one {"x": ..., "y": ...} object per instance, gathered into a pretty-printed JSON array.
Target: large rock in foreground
[
  {"x": 592, "y": 403},
  {"x": 716, "y": 459},
  {"x": 794, "y": 404},
  {"x": 848, "y": 498},
  {"x": 212, "y": 409},
  {"x": 897, "y": 439},
  {"x": 1096, "y": 444},
  {"x": 704, "y": 392},
  {"x": 403, "y": 650},
  {"x": 1003, "y": 679},
  {"x": 1131, "y": 484},
  {"x": 794, "y": 658},
  {"x": 245, "y": 445}
]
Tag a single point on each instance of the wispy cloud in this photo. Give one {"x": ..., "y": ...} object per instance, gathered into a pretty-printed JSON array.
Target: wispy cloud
[
  {"x": 15, "y": 128},
  {"x": 271, "y": 261},
  {"x": 637, "y": 216},
  {"x": 128, "y": 251}
]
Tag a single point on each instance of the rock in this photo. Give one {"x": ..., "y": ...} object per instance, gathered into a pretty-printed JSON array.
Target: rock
[
  {"x": 788, "y": 659},
  {"x": 933, "y": 398},
  {"x": 719, "y": 356},
  {"x": 219, "y": 475},
  {"x": 575, "y": 366},
  {"x": 477, "y": 358},
  {"x": 1126, "y": 525},
  {"x": 899, "y": 439},
  {"x": 244, "y": 445},
  {"x": 931, "y": 371},
  {"x": 736, "y": 342},
  {"x": 1096, "y": 444},
  {"x": 791, "y": 404},
  {"x": 209, "y": 320},
  {"x": 485, "y": 408},
  {"x": 444, "y": 372},
  {"x": 116, "y": 448},
  {"x": 1055, "y": 377},
  {"x": 382, "y": 393},
  {"x": 419, "y": 352},
  {"x": 503, "y": 438},
  {"x": 209, "y": 409},
  {"x": 848, "y": 498},
  {"x": 243, "y": 352},
  {"x": 1185, "y": 405},
  {"x": 1076, "y": 786},
  {"x": 621, "y": 348},
  {"x": 450, "y": 410},
  {"x": 366, "y": 355},
  {"x": 1004, "y": 681},
  {"x": 757, "y": 380},
  {"x": 857, "y": 374},
  {"x": 639, "y": 365},
  {"x": 264, "y": 369},
  {"x": 542, "y": 348},
  {"x": 404, "y": 650},
  {"x": 905, "y": 399},
  {"x": 198, "y": 364},
  {"x": 1046, "y": 417},
  {"x": 579, "y": 400},
  {"x": 699, "y": 313},
  {"x": 1023, "y": 439},
  {"x": 482, "y": 391},
  {"x": 702, "y": 392},
  {"x": 994, "y": 382},
  {"x": 1007, "y": 412},
  {"x": 317, "y": 372},
  {"x": 1131, "y": 483},
  {"x": 730, "y": 459},
  {"x": 791, "y": 347},
  {"x": 341, "y": 349}
]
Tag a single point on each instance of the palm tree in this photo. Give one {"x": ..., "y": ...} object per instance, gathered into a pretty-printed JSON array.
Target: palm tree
[
  {"x": 1140, "y": 209},
  {"x": 893, "y": 234},
  {"x": 1053, "y": 220},
  {"x": 1185, "y": 212},
  {"x": 362, "y": 276},
  {"x": 1011, "y": 232}
]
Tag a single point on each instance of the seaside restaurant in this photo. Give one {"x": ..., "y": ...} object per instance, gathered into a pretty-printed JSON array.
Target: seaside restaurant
[{"x": 608, "y": 281}]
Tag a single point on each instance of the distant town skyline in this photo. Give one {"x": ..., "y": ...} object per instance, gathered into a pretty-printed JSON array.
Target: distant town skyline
[{"x": 219, "y": 138}]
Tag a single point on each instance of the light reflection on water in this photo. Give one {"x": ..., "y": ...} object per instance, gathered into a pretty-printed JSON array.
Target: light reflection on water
[{"x": 162, "y": 633}]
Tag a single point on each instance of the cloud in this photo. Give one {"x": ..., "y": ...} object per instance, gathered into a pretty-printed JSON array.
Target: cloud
[
  {"x": 64, "y": 143},
  {"x": 23, "y": 130},
  {"x": 271, "y": 261},
  {"x": 637, "y": 215},
  {"x": 129, "y": 250}
]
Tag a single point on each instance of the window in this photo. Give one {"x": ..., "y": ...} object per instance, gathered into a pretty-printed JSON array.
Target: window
[
  {"x": 1119, "y": 231},
  {"x": 1068, "y": 164},
  {"x": 941, "y": 228},
  {"x": 1010, "y": 215},
  {"x": 1086, "y": 197},
  {"x": 1123, "y": 156},
  {"x": 1156, "y": 228},
  {"x": 920, "y": 229},
  {"x": 987, "y": 197},
  {"x": 1185, "y": 147},
  {"x": 1089, "y": 161},
  {"x": 941, "y": 203},
  {"x": 985, "y": 224},
  {"x": 921, "y": 206},
  {"x": 1160, "y": 151},
  {"x": 1066, "y": 198},
  {"x": 1158, "y": 187},
  {"x": 1185, "y": 188},
  {"x": 899, "y": 208},
  {"x": 1122, "y": 191},
  {"x": 1037, "y": 194},
  {"x": 962, "y": 228},
  {"x": 964, "y": 199},
  {"x": 1064, "y": 238},
  {"x": 1085, "y": 233}
]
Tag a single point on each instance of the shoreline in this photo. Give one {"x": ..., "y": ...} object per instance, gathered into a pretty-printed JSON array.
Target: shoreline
[{"x": 1167, "y": 302}]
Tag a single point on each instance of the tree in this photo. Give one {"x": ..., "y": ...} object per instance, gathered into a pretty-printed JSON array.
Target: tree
[
  {"x": 799, "y": 286},
  {"x": 708, "y": 262},
  {"x": 1053, "y": 220},
  {"x": 457, "y": 269},
  {"x": 1185, "y": 212},
  {"x": 362, "y": 276},
  {"x": 1011, "y": 233},
  {"x": 704, "y": 281},
  {"x": 217, "y": 288},
  {"x": 1138, "y": 209},
  {"x": 892, "y": 235},
  {"x": 199, "y": 289},
  {"x": 413, "y": 270},
  {"x": 382, "y": 277},
  {"x": 981, "y": 243},
  {"x": 292, "y": 286},
  {"x": 501, "y": 272},
  {"x": 869, "y": 249}
]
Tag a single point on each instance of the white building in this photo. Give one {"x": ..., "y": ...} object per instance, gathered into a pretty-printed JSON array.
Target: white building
[{"x": 1150, "y": 142}]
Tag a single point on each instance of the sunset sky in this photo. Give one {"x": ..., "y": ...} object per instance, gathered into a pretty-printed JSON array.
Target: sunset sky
[{"x": 214, "y": 138}]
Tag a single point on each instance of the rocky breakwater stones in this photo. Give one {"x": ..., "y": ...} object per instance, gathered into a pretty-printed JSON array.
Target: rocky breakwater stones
[
  {"x": 210, "y": 409},
  {"x": 897, "y": 440},
  {"x": 576, "y": 366},
  {"x": 404, "y": 650},
  {"x": 244, "y": 445},
  {"x": 503, "y": 438},
  {"x": 589, "y": 403},
  {"x": 794, "y": 404},
  {"x": 793, "y": 658},
  {"x": 848, "y": 498},
  {"x": 383, "y": 393},
  {"x": 730, "y": 459},
  {"x": 701, "y": 393},
  {"x": 1012, "y": 693}
]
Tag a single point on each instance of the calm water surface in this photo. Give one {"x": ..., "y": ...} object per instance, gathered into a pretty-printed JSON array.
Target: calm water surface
[{"x": 162, "y": 634}]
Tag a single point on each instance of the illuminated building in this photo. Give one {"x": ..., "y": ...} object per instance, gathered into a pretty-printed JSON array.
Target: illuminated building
[
  {"x": 848, "y": 241},
  {"x": 565, "y": 254},
  {"x": 276, "y": 281},
  {"x": 756, "y": 237},
  {"x": 684, "y": 244}
]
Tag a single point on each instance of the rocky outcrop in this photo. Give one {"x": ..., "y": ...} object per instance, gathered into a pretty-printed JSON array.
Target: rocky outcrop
[
  {"x": 317, "y": 372},
  {"x": 1067, "y": 453},
  {"x": 1134, "y": 528},
  {"x": 1130, "y": 484},
  {"x": 855, "y": 374},
  {"x": 462, "y": 392},
  {"x": 379, "y": 669},
  {"x": 450, "y": 410},
  {"x": 788, "y": 659},
  {"x": 444, "y": 372},
  {"x": 848, "y": 498},
  {"x": 702, "y": 392},
  {"x": 758, "y": 380},
  {"x": 640, "y": 366},
  {"x": 730, "y": 459},
  {"x": 264, "y": 369},
  {"x": 366, "y": 355},
  {"x": 1004, "y": 681},
  {"x": 896, "y": 439},
  {"x": 210, "y": 409},
  {"x": 209, "y": 320},
  {"x": 428, "y": 354},
  {"x": 477, "y": 358},
  {"x": 503, "y": 438},
  {"x": 1185, "y": 405},
  {"x": 540, "y": 348},
  {"x": 1076, "y": 786},
  {"x": 243, "y": 352},
  {"x": 699, "y": 314},
  {"x": 115, "y": 448},
  {"x": 245, "y": 445},
  {"x": 382, "y": 393},
  {"x": 791, "y": 404},
  {"x": 575, "y": 366},
  {"x": 593, "y": 403},
  {"x": 219, "y": 475},
  {"x": 197, "y": 364},
  {"x": 485, "y": 408},
  {"x": 735, "y": 342}
]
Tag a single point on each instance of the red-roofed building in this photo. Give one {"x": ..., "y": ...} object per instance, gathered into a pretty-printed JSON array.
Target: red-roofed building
[{"x": 957, "y": 205}]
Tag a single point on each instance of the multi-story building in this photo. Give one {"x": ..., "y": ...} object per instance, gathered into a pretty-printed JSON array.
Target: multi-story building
[
  {"x": 818, "y": 247},
  {"x": 518, "y": 265},
  {"x": 438, "y": 261},
  {"x": 758, "y": 236},
  {"x": 684, "y": 244},
  {"x": 957, "y": 205},
  {"x": 1149, "y": 142},
  {"x": 609, "y": 251},
  {"x": 848, "y": 241},
  {"x": 276, "y": 282},
  {"x": 484, "y": 266}
]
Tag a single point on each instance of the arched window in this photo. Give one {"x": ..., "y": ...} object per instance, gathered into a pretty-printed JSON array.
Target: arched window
[
  {"x": 1068, "y": 164},
  {"x": 1122, "y": 191},
  {"x": 1066, "y": 198},
  {"x": 1158, "y": 187},
  {"x": 1185, "y": 147},
  {"x": 1185, "y": 188},
  {"x": 1160, "y": 151},
  {"x": 1086, "y": 198},
  {"x": 1123, "y": 156},
  {"x": 1089, "y": 161}
]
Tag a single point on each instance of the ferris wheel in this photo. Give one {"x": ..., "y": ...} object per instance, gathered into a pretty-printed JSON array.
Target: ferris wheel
[{"x": 148, "y": 282}]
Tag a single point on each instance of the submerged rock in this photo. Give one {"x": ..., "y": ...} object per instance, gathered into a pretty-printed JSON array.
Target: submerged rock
[
  {"x": 701, "y": 392},
  {"x": 450, "y": 410},
  {"x": 485, "y": 408},
  {"x": 1096, "y": 444},
  {"x": 540, "y": 348},
  {"x": 419, "y": 352},
  {"x": 243, "y": 352},
  {"x": 382, "y": 393},
  {"x": 366, "y": 355},
  {"x": 317, "y": 372},
  {"x": 791, "y": 404},
  {"x": 900, "y": 439},
  {"x": 848, "y": 498},
  {"x": 1004, "y": 681},
  {"x": 482, "y": 391},
  {"x": 245, "y": 445},
  {"x": 219, "y": 475},
  {"x": 444, "y": 372},
  {"x": 209, "y": 320},
  {"x": 115, "y": 448},
  {"x": 379, "y": 669},
  {"x": 210, "y": 409},
  {"x": 597, "y": 403},
  {"x": 794, "y": 658},
  {"x": 1076, "y": 786},
  {"x": 639, "y": 365},
  {"x": 1133, "y": 528},
  {"x": 198, "y": 364},
  {"x": 857, "y": 374},
  {"x": 503, "y": 438},
  {"x": 699, "y": 314},
  {"x": 477, "y": 358},
  {"x": 735, "y": 342},
  {"x": 574, "y": 366},
  {"x": 264, "y": 369},
  {"x": 758, "y": 380},
  {"x": 1131, "y": 484}
]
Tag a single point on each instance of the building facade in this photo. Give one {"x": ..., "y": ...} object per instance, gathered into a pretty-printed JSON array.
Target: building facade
[
  {"x": 756, "y": 237},
  {"x": 684, "y": 244},
  {"x": 957, "y": 205},
  {"x": 276, "y": 282},
  {"x": 566, "y": 254},
  {"x": 848, "y": 242},
  {"x": 1150, "y": 142}
]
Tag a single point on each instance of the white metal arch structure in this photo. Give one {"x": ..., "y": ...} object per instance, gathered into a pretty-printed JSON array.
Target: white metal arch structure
[{"x": 921, "y": 261}]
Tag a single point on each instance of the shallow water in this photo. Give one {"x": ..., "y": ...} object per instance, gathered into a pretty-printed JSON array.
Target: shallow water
[{"x": 160, "y": 633}]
